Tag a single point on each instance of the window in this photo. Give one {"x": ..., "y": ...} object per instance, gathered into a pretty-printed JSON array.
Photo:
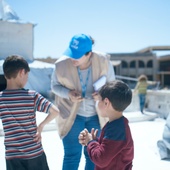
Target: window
[
  {"x": 132, "y": 64},
  {"x": 124, "y": 64},
  {"x": 141, "y": 64},
  {"x": 150, "y": 64}
]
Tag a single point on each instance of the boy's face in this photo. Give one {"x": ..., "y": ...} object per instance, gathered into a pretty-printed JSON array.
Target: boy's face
[
  {"x": 23, "y": 78},
  {"x": 101, "y": 107}
]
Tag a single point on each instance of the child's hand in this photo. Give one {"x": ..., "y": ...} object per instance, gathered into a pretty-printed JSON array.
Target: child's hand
[
  {"x": 83, "y": 137},
  {"x": 94, "y": 133},
  {"x": 37, "y": 137}
]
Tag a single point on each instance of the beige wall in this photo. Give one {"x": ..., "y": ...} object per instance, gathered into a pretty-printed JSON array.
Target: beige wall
[{"x": 158, "y": 101}]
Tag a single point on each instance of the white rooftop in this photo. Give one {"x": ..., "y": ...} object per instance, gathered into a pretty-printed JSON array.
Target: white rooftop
[{"x": 145, "y": 132}]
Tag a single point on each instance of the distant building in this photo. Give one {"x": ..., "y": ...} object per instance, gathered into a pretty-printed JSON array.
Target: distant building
[
  {"x": 144, "y": 62},
  {"x": 164, "y": 70}
]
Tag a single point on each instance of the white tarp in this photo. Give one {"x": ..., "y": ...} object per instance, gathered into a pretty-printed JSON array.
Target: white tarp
[
  {"x": 40, "y": 77},
  {"x": 6, "y": 12}
]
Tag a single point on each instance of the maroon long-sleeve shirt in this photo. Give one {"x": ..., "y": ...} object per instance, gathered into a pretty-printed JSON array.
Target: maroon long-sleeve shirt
[{"x": 114, "y": 150}]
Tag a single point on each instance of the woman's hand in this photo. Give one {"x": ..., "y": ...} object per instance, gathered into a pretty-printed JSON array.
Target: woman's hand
[
  {"x": 75, "y": 96},
  {"x": 95, "y": 96}
]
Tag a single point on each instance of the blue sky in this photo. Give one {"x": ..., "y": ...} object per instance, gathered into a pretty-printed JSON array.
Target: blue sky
[{"x": 116, "y": 25}]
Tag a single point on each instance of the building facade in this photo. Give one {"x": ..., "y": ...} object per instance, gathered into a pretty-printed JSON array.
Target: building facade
[{"x": 146, "y": 62}]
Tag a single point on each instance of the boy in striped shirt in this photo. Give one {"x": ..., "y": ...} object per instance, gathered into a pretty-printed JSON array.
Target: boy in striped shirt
[{"x": 18, "y": 108}]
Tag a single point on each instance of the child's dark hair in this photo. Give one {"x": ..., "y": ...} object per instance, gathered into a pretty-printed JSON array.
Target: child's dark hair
[
  {"x": 118, "y": 93},
  {"x": 13, "y": 64}
]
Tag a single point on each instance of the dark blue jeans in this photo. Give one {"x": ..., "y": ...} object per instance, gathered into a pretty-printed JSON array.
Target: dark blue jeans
[
  {"x": 72, "y": 148},
  {"x": 142, "y": 98}
]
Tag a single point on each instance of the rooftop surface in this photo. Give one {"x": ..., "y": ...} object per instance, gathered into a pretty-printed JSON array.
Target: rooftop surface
[{"x": 146, "y": 131}]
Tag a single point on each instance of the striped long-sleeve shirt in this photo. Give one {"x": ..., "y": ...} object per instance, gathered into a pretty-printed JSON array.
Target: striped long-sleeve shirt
[{"x": 17, "y": 111}]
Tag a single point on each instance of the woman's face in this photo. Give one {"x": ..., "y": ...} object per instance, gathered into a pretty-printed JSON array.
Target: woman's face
[{"x": 82, "y": 61}]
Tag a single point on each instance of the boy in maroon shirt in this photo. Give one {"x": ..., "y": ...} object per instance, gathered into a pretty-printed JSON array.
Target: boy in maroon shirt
[{"x": 114, "y": 149}]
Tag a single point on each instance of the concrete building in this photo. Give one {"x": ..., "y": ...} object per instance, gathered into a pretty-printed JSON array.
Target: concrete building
[
  {"x": 16, "y": 38},
  {"x": 164, "y": 70},
  {"x": 145, "y": 62}
]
